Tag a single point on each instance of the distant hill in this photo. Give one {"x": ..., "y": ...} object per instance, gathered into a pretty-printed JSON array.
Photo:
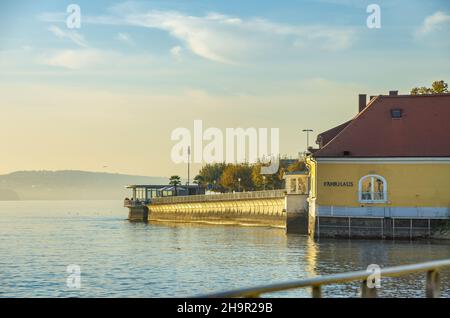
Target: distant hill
[{"x": 69, "y": 185}]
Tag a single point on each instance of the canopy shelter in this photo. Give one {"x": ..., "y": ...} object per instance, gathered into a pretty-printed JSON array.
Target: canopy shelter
[{"x": 148, "y": 191}]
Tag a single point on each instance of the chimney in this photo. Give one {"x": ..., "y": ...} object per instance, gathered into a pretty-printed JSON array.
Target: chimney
[
  {"x": 393, "y": 93},
  {"x": 362, "y": 101}
]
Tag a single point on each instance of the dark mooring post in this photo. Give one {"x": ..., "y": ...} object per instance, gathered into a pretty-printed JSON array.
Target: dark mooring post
[
  {"x": 138, "y": 213},
  {"x": 298, "y": 215}
]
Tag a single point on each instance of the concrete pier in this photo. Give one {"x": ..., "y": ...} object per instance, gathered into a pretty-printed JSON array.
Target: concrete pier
[
  {"x": 259, "y": 208},
  {"x": 276, "y": 208},
  {"x": 272, "y": 208}
]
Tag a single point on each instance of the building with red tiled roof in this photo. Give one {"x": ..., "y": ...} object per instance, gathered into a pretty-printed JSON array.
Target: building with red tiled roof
[
  {"x": 393, "y": 126},
  {"x": 392, "y": 160}
]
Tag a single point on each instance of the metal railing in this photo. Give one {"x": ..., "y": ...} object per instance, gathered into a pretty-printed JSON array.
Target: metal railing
[
  {"x": 411, "y": 229},
  {"x": 385, "y": 211},
  {"x": 134, "y": 203},
  {"x": 432, "y": 288},
  {"x": 267, "y": 194}
]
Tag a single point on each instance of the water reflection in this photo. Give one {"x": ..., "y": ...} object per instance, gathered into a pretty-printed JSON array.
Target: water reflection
[
  {"x": 311, "y": 257},
  {"x": 123, "y": 259}
]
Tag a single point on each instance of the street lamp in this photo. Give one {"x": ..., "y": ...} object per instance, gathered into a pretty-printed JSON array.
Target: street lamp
[
  {"x": 307, "y": 137},
  {"x": 188, "y": 168},
  {"x": 264, "y": 182},
  {"x": 239, "y": 180}
]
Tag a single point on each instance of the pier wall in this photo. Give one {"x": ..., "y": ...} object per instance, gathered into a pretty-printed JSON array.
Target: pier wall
[
  {"x": 268, "y": 212},
  {"x": 265, "y": 208}
]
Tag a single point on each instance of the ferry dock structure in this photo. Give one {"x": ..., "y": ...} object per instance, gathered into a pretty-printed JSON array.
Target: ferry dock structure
[
  {"x": 274, "y": 208},
  {"x": 383, "y": 174}
]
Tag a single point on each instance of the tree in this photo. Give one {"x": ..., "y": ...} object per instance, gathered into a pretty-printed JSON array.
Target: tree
[
  {"x": 225, "y": 177},
  {"x": 199, "y": 180},
  {"x": 258, "y": 178},
  {"x": 297, "y": 166},
  {"x": 211, "y": 173},
  {"x": 438, "y": 87},
  {"x": 235, "y": 172},
  {"x": 175, "y": 181},
  {"x": 269, "y": 181}
]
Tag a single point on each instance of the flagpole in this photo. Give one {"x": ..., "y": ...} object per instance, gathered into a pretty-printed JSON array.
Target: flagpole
[{"x": 189, "y": 159}]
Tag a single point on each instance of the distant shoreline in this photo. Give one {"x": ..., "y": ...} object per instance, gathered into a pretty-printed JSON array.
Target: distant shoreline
[
  {"x": 29, "y": 200},
  {"x": 69, "y": 185}
]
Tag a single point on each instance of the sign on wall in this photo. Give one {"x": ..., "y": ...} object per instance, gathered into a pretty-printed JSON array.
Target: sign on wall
[{"x": 338, "y": 184}]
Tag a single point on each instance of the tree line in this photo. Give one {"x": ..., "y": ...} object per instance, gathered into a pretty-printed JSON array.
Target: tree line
[
  {"x": 437, "y": 87},
  {"x": 223, "y": 177}
]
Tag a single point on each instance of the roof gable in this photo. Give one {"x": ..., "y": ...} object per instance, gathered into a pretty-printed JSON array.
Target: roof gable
[{"x": 423, "y": 130}]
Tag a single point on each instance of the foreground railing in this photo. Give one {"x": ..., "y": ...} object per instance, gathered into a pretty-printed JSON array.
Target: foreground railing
[{"x": 432, "y": 289}]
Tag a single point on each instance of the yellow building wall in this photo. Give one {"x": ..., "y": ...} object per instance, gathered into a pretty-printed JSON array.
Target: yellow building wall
[{"x": 408, "y": 184}]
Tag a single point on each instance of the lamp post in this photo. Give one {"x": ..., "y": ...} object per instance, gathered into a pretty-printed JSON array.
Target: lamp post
[
  {"x": 264, "y": 182},
  {"x": 239, "y": 180},
  {"x": 189, "y": 159},
  {"x": 307, "y": 137}
]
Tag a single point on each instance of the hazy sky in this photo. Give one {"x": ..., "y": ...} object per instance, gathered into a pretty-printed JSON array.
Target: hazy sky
[{"x": 106, "y": 96}]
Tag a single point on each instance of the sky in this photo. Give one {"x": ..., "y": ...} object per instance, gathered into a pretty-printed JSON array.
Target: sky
[{"x": 107, "y": 96}]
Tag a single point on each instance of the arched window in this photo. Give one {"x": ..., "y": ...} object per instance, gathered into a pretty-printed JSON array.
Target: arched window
[{"x": 372, "y": 188}]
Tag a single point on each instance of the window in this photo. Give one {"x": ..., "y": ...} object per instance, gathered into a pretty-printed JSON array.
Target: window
[
  {"x": 302, "y": 186},
  {"x": 293, "y": 185},
  {"x": 396, "y": 113},
  {"x": 372, "y": 189},
  {"x": 296, "y": 185}
]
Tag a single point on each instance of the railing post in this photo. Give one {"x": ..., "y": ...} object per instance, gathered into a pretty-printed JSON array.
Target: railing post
[
  {"x": 410, "y": 229},
  {"x": 317, "y": 292},
  {"x": 393, "y": 228},
  {"x": 367, "y": 292},
  {"x": 433, "y": 284},
  {"x": 318, "y": 226},
  {"x": 349, "y": 227}
]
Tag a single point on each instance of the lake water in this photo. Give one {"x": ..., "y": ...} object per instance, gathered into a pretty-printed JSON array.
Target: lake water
[{"x": 39, "y": 239}]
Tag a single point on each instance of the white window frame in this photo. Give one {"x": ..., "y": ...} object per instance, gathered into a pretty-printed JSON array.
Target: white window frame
[{"x": 360, "y": 192}]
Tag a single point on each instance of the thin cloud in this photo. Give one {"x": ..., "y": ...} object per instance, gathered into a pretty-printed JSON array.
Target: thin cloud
[
  {"x": 125, "y": 37},
  {"x": 229, "y": 39},
  {"x": 176, "y": 52},
  {"x": 71, "y": 35},
  {"x": 52, "y": 17},
  {"x": 88, "y": 59},
  {"x": 434, "y": 22},
  {"x": 75, "y": 59}
]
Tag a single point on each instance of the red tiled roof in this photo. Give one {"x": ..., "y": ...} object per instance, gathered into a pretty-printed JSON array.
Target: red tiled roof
[
  {"x": 324, "y": 137},
  {"x": 423, "y": 130}
]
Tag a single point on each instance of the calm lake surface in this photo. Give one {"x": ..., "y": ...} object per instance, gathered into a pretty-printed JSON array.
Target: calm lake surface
[{"x": 39, "y": 239}]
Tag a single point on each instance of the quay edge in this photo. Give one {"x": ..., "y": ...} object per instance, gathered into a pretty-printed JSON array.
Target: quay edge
[{"x": 273, "y": 208}]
